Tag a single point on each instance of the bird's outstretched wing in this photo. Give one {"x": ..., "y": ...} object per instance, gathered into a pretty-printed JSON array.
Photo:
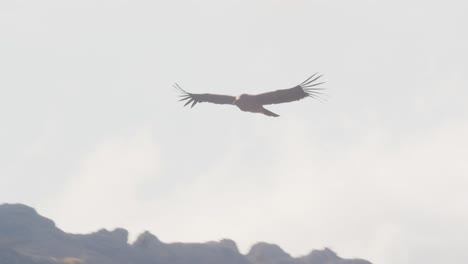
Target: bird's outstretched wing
[
  {"x": 201, "y": 98},
  {"x": 306, "y": 89}
]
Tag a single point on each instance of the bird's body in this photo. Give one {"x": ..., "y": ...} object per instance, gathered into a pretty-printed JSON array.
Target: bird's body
[
  {"x": 255, "y": 103},
  {"x": 249, "y": 103}
]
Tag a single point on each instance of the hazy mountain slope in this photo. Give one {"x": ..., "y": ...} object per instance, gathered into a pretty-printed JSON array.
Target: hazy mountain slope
[{"x": 28, "y": 238}]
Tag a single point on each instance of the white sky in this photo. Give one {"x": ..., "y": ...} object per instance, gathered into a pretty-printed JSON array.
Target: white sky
[{"x": 92, "y": 134}]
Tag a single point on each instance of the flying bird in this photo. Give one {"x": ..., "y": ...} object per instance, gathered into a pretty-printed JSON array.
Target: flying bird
[{"x": 255, "y": 103}]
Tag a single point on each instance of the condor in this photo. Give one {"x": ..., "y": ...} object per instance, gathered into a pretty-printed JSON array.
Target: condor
[{"x": 255, "y": 103}]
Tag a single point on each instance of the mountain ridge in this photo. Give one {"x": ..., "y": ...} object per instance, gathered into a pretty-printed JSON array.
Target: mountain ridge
[{"x": 29, "y": 238}]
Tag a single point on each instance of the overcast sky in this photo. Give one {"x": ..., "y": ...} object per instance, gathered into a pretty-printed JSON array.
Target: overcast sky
[{"x": 92, "y": 134}]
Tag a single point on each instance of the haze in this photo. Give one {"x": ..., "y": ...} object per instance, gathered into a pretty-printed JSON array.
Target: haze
[{"x": 92, "y": 134}]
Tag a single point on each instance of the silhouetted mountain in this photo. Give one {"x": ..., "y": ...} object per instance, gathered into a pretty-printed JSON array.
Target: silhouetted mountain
[
  {"x": 28, "y": 238},
  {"x": 263, "y": 253}
]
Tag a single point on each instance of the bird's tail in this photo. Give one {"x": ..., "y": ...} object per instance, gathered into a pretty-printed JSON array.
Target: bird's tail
[{"x": 268, "y": 112}]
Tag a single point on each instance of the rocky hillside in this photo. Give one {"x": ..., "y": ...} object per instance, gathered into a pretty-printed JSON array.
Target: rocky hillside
[{"x": 28, "y": 238}]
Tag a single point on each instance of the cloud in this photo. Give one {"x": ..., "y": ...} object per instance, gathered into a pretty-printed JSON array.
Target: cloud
[
  {"x": 363, "y": 199},
  {"x": 104, "y": 192}
]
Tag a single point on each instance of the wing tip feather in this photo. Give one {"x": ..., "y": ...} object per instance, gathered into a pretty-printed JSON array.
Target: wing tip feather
[
  {"x": 310, "y": 90},
  {"x": 186, "y": 96}
]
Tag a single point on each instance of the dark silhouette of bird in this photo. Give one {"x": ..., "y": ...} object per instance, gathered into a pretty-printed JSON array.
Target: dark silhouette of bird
[{"x": 255, "y": 103}]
